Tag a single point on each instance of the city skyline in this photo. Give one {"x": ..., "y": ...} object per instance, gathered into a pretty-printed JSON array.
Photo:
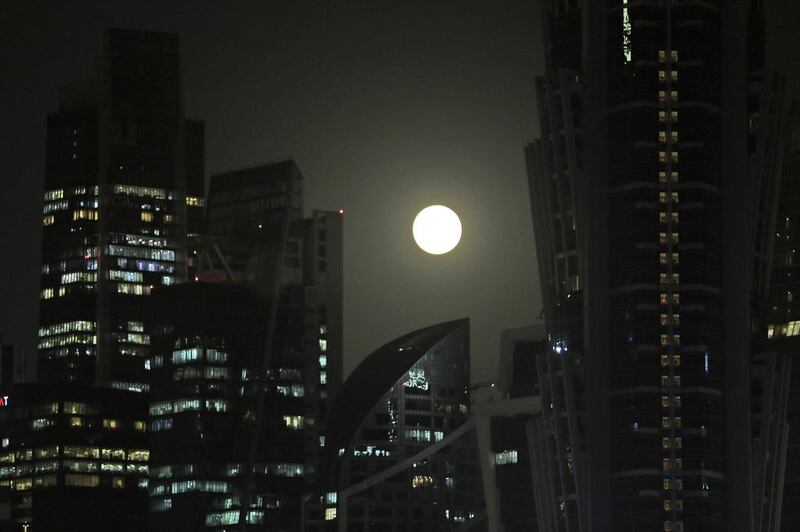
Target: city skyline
[
  {"x": 612, "y": 343},
  {"x": 383, "y": 131}
]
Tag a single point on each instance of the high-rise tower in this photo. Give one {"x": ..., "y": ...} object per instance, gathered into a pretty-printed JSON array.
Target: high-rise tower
[
  {"x": 245, "y": 358},
  {"x": 120, "y": 160},
  {"x": 652, "y": 189}
]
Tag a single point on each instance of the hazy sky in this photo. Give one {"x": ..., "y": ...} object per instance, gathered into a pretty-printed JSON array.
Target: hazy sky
[{"x": 387, "y": 107}]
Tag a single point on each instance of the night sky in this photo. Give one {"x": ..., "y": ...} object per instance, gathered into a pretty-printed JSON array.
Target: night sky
[{"x": 387, "y": 107}]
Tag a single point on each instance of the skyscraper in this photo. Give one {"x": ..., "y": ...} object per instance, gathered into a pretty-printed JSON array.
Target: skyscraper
[
  {"x": 783, "y": 313},
  {"x": 123, "y": 192},
  {"x": 652, "y": 190},
  {"x": 120, "y": 160},
  {"x": 401, "y": 455},
  {"x": 245, "y": 357}
]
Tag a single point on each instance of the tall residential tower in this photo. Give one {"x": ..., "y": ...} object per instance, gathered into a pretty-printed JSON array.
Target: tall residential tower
[{"x": 652, "y": 189}]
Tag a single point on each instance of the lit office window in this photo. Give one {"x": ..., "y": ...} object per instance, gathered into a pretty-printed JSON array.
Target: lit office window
[
  {"x": 294, "y": 422},
  {"x": 506, "y": 457}
]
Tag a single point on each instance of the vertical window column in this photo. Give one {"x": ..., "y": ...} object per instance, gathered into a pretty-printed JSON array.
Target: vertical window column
[{"x": 669, "y": 282}]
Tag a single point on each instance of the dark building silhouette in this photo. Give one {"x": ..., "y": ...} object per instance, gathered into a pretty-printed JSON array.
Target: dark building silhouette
[
  {"x": 653, "y": 191},
  {"x": 123, "y": 195},
  {"x": 406, "y": 402},
  {"x": 244, "y": 359},
  {"x": 124, "y": 185},
  {"x": 521, "y": 349},
  {"x": 9, "y": 370},
  {"x": 784, "y": 313},
  {"x": 72, "y": 458}
]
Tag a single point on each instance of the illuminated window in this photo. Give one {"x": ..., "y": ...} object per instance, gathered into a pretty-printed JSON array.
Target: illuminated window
[
  {"x": 75, "y": 421},
  {"x": 41, "y": 423},
  {"x": 22, "y": 484},
  {"x": 672, "y": 464},
  {"x": 675, "y": 217},
  {"x": 662, "y": 197},
  {"x": 675, "y": 197},
  {"x": 662, "y": 258},
  {"x": 84, "y": 214},
  {"x": 670, "y": 422},
  {"x": 662, "y": 156},
  {"x": 662, "y": 116},
  {"x": 147, "y": 216},
  {"x": 662, "y": 136},
  {"x": 662, "y": 177},
  {"x": 159, "y": 425},
  {"x": 662, "y": 56},
  {"x": 168, "y": 219},
  {"x": 674, "y": 75},
  {"x": 117, "y": 482},
  {"x": 668, "y": 508},
  {"x": 662, "y": 75},
  {"x": 673, "y": 116},
  {"x": 419, "y": 481},
  {"x": 666, "y": 380},
  {"x": 48, "y": 220},
  {"x": 111, "y": 424},
  {"x": 667, "y": 401},
  {"x": 662, "y": 96},
  {"x": 144, "y": 192},
  {"x": 673, "y": 95},
  {"x": 183, "y": 405},
  {"x": 194, "y": 201},
  {"x": 676, "y": 238},
  {"x": 420, "y": 435},
  {"x": 52, "y": 195},
  {"x": 216, "y": 405},
  {"x": 294, "y": 422},
  {"x": 674, "y": 138},
  {"x": 506, "y": 457},
  {"x": 162, "y": 505},
  {"x": 330, "y": 514}
]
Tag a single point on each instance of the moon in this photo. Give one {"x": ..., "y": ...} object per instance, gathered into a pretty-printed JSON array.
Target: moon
[{"x": 437, "y": 229}]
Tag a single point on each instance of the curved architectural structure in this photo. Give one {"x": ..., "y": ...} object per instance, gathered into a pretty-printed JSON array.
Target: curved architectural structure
[
  {"x": 378, "y": 372},
  {"x": 400, "y": 448}
]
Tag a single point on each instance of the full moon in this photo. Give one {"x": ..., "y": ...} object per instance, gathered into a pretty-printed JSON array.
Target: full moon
[{"x": 437, "y": 229}]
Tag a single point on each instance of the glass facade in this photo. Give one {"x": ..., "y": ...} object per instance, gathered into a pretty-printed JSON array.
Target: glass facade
[
  {"x": 425, "y": 404},
  {"x": 115, "y": 218},
  {"x": 65, "y": 449},
  {"x": 638, "y": 185}
]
